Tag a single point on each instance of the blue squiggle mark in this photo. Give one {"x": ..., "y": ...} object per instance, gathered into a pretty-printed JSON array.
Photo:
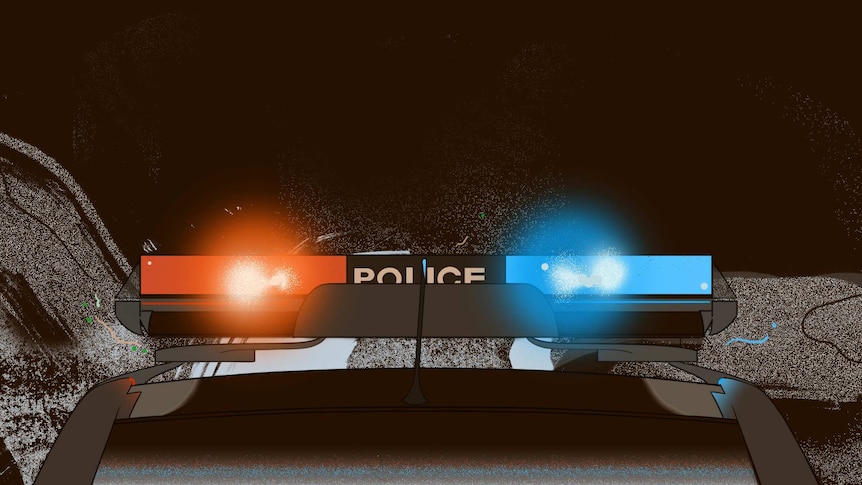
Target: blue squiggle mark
[{"x": 747, "y": 341}]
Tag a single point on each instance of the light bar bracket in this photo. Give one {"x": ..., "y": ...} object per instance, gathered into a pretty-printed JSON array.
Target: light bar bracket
[
  {"x": 625, "y": 352},
  {"x": 226, "y": 352}
]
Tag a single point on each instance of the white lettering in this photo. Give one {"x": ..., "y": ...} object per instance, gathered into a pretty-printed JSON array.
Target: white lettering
[
  {"x": 448, "y": 270},
  {"x": 471, "y": 275},
  {"x": 362, "y": 274},
  {"x": 385, "y": 271},
  {"x": 474, "y": 274}
]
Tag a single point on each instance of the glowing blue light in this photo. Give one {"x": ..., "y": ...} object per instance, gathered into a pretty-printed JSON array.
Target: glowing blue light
[
  {"x": 581, "y": 227},
  {"x": 605, "y": 273},
  {"x": 748, "y": 341},
  {"x": 621, "y": 275},
  {"x": 609, "y": 272}
]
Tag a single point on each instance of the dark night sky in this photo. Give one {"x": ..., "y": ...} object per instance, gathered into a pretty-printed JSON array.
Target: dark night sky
[{"x": 692, "y": 124}]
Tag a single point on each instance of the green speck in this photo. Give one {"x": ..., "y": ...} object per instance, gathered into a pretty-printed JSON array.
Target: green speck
[
  {"x": 134, "y": 347},
  {"x": 84, "y": 305},
  {"x": 145, "y": 351},
  {"x": 89, "y": 319},
  {"x": 482, "y": 215}
]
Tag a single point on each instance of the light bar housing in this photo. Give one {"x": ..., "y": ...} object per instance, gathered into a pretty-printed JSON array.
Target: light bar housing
[{"x": 648, "y": 297}]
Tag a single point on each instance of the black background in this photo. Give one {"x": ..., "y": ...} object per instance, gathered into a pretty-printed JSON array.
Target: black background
[{"x": 649, "y": 108}]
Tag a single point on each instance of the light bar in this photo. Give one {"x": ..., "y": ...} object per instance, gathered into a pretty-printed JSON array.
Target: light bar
[
  {"x": 292, "y": 295},
  {"x": 552, "y": 275},
  {"x": 239, "y": 277},
  {"x": 618, "y": 275}
]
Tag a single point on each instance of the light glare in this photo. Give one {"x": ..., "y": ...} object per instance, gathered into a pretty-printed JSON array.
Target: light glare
[
  {"x": 246, "y": 282},
  {"x": 284, "y": 279},
  {"x": 610, "y": 272},
  {"x": 607, "y": 274}
]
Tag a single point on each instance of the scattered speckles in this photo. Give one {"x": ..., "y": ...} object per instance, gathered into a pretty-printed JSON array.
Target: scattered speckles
[
  {"x": 51, "y": 245},
  {"x": 149, "y": 246},
  {"x": 77, "y": 192},
  {"x": 791, "y": 365},
  {"x": 837, "y": 324},
  {"x": 837, "y": 462},
  {"x": 832, "y": 138},
  {"x": 473, "y": 353}
]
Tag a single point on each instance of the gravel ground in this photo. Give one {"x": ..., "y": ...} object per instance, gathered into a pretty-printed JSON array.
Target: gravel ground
[
  {"x": 55, "y": 256},
  {"x": 472, "y": 353},
  {"x": 812, "y": 354},
  {"x": 790, "y": 364}
]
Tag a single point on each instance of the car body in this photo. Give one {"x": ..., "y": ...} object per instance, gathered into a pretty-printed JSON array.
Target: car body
[{"x": 430, "y": 424}]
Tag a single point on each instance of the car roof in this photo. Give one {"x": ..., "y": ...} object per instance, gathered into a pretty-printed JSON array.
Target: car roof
[{"x": 722, "y": 410}]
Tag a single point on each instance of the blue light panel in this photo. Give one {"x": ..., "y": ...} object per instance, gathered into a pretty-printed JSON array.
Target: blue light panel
[{"x": 613, "y": 275}]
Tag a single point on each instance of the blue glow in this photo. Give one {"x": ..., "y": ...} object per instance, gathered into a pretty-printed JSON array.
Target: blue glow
[
  {"x": 747, "y": 341},
  {"x": 643, "y": 302},
  {"x": 584, "y": 305},
  {"x": 581, "y": 227},
  {"x": 724, "y": 399},
  {"x": 609, "y": 274}
]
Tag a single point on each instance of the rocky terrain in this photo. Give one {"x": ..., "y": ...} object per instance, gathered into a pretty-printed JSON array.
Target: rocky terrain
[{"x": 59, "y": 270}]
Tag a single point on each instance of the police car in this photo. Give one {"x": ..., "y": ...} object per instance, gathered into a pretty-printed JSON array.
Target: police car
[{"x": 421, "y": 424}]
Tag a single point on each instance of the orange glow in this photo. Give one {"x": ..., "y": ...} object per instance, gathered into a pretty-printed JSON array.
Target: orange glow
[
  {"x": 248, "y": 281},
  {"x": 284, "y": 279},
  {"x": 253, "y": 230},
  {"x": 242, "y": 278},
  {"x": 287, "y": 304}
]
